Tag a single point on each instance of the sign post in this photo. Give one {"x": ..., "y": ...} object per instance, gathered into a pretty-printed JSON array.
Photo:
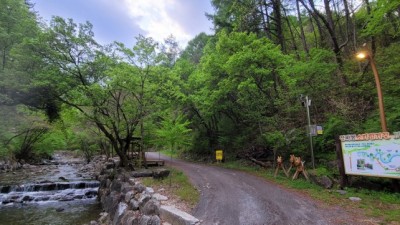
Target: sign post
[{"x": 219, "y": 155}]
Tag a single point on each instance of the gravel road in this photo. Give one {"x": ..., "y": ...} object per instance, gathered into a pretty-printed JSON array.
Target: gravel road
[{"x": 230, "y": 197}]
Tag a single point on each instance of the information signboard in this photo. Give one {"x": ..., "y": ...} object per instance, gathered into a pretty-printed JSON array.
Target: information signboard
[
  {"x": 372, "y": 154},
  {"x": 219, "y": 155}
]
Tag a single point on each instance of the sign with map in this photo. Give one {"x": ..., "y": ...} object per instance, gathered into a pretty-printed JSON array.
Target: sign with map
[{"x": 372, "y": 154}]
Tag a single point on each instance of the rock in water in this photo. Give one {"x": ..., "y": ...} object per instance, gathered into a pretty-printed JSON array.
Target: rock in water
[{"x": 63, "y": 178}]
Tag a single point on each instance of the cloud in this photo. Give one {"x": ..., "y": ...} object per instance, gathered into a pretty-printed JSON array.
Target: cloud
[
  {"x": 125, "y": 19},
  {"x": 160, "y": 19}
]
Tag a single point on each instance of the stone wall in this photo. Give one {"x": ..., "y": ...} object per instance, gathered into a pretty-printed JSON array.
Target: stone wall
[{"x": 126, "y": 201}]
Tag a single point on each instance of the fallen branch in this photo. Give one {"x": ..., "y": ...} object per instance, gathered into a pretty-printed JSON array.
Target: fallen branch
[{"x": 263, "y": 164}]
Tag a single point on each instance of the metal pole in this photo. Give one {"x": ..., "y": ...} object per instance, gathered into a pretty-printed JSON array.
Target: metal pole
[
  {"x": 308, "y": 103},
  {"x": 379, "y": 90}
]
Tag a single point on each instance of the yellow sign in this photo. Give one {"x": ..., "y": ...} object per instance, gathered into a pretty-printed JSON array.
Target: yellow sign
[
  {"x": 320, "y": 130},
  {"x": 219, "y": 155}
]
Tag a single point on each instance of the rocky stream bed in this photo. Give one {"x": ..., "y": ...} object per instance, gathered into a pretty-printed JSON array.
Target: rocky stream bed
[
  {"x": 58, "y": 191},
  {"x": 67, "y": 190}
]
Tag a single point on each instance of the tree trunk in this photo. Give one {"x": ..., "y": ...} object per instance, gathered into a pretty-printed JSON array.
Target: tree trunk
[
  {"x": 119, "y": 149},
  {"x": 303, "y": 37},
  {"x": 291, "y": 35},
  {"x": 264, "y": 18},
  {"x": 142, "y": 150},
  {"x": 276, "y": 5},
  {"x": 330, "y": 26},
  {"x": 316, "y": 19}
]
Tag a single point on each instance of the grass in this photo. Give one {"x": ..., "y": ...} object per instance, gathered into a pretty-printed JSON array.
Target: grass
[
  {"x": 178, "y": 184},
  {"x": 378, "y": 204}
]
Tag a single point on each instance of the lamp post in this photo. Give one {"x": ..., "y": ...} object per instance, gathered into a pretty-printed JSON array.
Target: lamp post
[
  {"x": 368, "y": 55},
  {"x": 307, "y": 103}
]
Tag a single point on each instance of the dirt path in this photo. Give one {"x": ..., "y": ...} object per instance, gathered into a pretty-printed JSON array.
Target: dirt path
[{"x": 230, "y": 197}]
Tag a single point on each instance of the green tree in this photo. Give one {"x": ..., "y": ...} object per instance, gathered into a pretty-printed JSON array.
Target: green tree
[
  {"x": 174, "y": 133},
  {"x": 106, "y": 92}
]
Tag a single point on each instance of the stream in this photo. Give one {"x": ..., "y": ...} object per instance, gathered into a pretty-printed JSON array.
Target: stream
[{"x": 61, "y": 191}]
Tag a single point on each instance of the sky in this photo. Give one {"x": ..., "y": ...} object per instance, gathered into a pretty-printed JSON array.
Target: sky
[{"x": 123, "y": 20}]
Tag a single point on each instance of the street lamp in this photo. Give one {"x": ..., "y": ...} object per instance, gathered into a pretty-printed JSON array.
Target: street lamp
[{"x": 368, "y": 55}]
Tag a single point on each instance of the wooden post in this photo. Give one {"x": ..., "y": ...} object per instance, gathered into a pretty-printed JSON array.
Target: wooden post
[
  {"x": 339, "y": 154},
  {"x": 280, "y": 166},
  {"x": 300, "y": 169},
  {"x": 291, "y": 160}
]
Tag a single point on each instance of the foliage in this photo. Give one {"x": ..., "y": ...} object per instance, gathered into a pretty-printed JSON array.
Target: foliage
[
  {"x": 173, "y": 133},
  {"x": 25, "y": 141},
  {"x": 53, "y": 140}
]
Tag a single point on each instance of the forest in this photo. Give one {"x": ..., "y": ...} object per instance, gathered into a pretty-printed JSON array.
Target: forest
[{"x": 236, "y": 90}]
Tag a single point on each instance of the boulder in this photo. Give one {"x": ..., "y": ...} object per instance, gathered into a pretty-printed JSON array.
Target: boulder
[
  {"x": 132, "y": 181},
  {"x": 151, "y": 207},
  {"x": 139, "y": 188},
  {"x": 109, "y": 165},
  {"x": 149, "y": 220},
  {"x": 122, "y": 207},
  {"x": 149, "y": 190},
  {"x": 129, "y": 195},
  {"x": 90, "y": 193},
  {"x": 133, "y": 204},
  {"x": 103, "y": 217},
  {"x": 126, "y": 188},
  {"x": 130, "y": 217},
  {"x": 160, "y": 173},
  {"x": 160, "y": 197},
  {"x": 5, "y": 189},
  {"x": 27, "y": 198},
  {"x": 325, "y": 182},
  {"x": 63, "y": 179},
  {"x": 116, "y": 185},
  {"x": 111, "y": 202},
  {"x": 143, "y": 198},
  {"x": 355, "y": 199}
]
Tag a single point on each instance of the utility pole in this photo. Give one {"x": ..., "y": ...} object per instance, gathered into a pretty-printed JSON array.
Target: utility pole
[{"x": 307, "y": 103}]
